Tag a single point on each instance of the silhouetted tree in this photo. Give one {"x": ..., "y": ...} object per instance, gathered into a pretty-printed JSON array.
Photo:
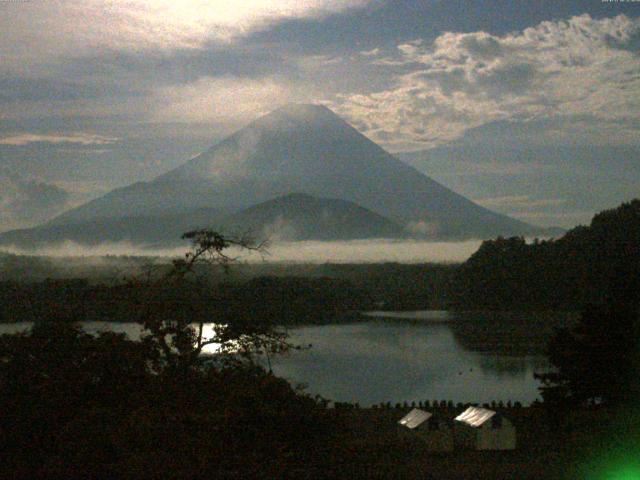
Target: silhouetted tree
[
  {"x": 597, "y": 360},
  {"x": 174, "y": 307}
]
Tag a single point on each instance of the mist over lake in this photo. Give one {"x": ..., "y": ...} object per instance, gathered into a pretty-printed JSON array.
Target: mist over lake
[{"x": 352, "y": 251}]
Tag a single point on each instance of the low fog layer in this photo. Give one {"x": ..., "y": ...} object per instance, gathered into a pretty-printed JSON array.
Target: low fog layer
[
  {"x": 354, "y": 251},
  {"x": 365, "y": 251}
]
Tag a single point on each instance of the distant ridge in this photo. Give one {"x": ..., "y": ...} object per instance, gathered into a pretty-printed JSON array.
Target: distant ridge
[
  {"x": 298, "y": 148},
  {"x": 299, "y": 216},
  {"x": 150, "y": 231}
]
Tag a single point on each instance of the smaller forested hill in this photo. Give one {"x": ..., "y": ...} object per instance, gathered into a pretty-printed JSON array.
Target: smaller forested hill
[
  {"x": 598, "y": 263},
  {"x": 299, "y": 216}
]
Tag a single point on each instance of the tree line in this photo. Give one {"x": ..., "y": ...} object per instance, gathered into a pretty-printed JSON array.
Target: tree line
[{"x": 589, "y": 264}]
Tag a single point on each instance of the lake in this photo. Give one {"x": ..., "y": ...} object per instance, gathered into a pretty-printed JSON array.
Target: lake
[{"x": 412, "y": 356}]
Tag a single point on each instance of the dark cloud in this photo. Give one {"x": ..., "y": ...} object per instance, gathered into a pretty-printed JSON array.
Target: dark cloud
[
  {"x": 450, "y": 81},
  {"x": 153, "y": 68},
  {"x": 486, "y": 48},
  {"x": 15, "y": 89},
  {"x": 632, "y": 43},
  {"x": 510, "y": 79},
  {"x": 388, "y": 23},
  {"x": 506, "y": 79}
]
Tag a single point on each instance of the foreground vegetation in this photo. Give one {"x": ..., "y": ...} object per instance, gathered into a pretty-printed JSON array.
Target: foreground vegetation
[{"x": 76, "y": 405}]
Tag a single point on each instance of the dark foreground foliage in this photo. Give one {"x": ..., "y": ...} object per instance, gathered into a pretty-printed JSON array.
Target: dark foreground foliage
[
  {"x": 76, "y": 405},
  {"x": 597, "y": 361}
]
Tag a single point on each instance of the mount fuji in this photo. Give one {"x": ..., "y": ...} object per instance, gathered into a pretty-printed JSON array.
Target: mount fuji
[{"x": 298, "y": 149}]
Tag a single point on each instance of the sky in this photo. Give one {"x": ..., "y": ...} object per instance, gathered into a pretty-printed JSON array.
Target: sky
[{"x": 530, "y": 108}]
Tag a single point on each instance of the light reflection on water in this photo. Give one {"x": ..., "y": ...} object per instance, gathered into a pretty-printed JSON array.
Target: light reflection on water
[{"x": 426, "y": 356}]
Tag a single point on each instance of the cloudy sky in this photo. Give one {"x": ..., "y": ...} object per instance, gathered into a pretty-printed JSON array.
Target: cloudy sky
[{"x": 531, "y": 108}]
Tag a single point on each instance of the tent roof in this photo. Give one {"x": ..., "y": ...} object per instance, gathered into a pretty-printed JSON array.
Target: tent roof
[
  {"x": 475, "y": 416},
  {"x": 415, "y": 418}
]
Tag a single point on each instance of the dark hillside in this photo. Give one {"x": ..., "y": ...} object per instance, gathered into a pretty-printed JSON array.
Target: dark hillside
[{"x": 597, "y": 263}]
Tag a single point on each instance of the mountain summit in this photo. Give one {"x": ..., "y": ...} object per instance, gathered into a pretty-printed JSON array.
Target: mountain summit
[{"x": 305, "y": 149}]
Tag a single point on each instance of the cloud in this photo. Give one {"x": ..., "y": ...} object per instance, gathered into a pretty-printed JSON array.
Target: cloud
[
  {"x": 228, "y": 100},
  {"x": 423, "y": 228},
  {"x": 24, "y": 203},
  {"x": 311, "y": 63},
  {"x": 67, "y": 58},
  {"x": 519, "y": 202},
  {"x": 77, "y": 138},
  {"x": 47, "y": 30},
  {"x": 582, "y": 67},
  {"x": 280, "y": 229},
  {"x": 370, "y": 53}
]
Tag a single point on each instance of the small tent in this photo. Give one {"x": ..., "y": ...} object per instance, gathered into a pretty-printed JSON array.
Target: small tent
[
  {"x": 436, "y": 432},
  {"x": 483, "y": 429}
]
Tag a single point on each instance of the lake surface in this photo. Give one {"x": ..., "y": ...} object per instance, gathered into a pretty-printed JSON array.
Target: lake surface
[{"x": 407, "y": 356}]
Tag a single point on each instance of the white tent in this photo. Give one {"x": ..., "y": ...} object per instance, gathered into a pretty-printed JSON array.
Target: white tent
[
  {"x": 436, "y": 432},
  {"x": 484, "y": 429},
  {"x": 415, "y": 418}
]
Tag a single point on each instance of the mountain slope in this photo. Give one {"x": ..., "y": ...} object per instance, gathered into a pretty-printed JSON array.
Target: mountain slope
[
  {"x": 152, "y": 231},
  {"x": 307, "y": 149}
]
